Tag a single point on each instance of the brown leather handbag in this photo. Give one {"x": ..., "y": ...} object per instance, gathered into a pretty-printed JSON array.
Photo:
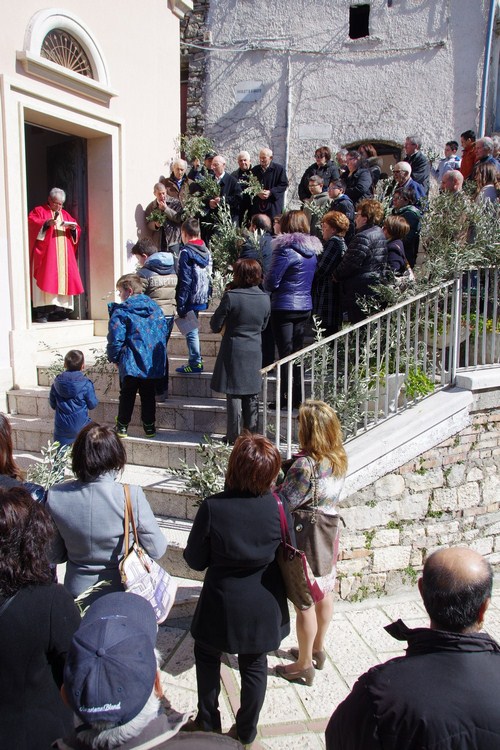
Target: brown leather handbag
[
  {"x": 300, "y": 585},
  {"x": 317, "y": 532}
]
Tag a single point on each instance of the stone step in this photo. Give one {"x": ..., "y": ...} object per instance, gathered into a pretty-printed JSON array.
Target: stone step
[
  {"x": 167, "y": 450},
  {"x": 177, "y": 413}
]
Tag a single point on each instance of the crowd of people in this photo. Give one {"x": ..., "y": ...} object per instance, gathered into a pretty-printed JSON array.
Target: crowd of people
[
  {"x": 76, "y": 683},
  {"x": 102, "y": 671}
]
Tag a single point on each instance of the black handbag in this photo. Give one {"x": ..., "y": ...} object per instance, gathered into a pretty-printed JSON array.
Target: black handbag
[
  {"x": 301, "y": 587},
  {"x": 316, "y": 532}
]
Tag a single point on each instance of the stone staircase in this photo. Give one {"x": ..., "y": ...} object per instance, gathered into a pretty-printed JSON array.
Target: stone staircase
[{"x": 192, "y": 411}]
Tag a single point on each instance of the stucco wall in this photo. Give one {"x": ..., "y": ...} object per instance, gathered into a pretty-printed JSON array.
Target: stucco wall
[
  {"x": 131, "y": 141},
  {"x": 450, "y": 495},
  {"x": 419, "y": 72}
]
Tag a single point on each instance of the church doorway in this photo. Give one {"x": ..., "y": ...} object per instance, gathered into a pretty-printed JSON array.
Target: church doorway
[{"x": 55, "y": 159}]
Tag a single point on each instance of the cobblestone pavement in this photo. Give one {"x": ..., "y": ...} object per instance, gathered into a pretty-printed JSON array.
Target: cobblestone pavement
[{"x": 295, "y": 716}]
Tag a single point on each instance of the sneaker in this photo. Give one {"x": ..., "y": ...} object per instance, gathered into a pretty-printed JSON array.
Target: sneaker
[
  {"x": 149, "y": 430},
  {"x": 190, "y": 369},
  {"x": 161, "y": 397},
  {"x": 121, "y": 429}
]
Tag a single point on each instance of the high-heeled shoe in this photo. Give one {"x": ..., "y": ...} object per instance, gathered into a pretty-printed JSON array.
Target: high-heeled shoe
[
  {"x": 304, "y": 676},
  {"x": 319, "y": 657}
]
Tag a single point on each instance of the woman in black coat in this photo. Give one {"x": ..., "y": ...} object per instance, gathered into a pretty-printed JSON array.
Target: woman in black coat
[
  {"x": 242, "y": 607},
  {"x": 243, "y": 314},
  {"x": 37, "y": 620},
  {"x": 325, "y": 293},
  {"x": 365, "y": 261}
]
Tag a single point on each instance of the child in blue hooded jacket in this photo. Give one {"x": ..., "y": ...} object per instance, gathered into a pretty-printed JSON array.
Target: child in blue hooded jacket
[
  {"x": 72, "y": 394},
  {"x": 137, "y": 333}
]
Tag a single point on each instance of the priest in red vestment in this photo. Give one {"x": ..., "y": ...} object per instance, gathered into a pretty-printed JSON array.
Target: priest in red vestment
[{"x": 53, "y": 235}]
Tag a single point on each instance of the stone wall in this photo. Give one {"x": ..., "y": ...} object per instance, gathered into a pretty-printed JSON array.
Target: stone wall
[
  {"x": 193, "y": 31},
  {"x": 448, "y": 495}
]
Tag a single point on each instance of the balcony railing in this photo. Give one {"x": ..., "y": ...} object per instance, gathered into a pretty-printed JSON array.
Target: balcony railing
[{"x": 372, "y": 370}]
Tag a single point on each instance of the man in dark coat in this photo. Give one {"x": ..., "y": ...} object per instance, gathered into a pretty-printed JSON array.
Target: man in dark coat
[
  {"x": 419, "y": 163},
  {"x": 341, "y": 202},
  {"x": 242, "y": 174},
  {"x": 444, "y": 691},
  {"x": 274, "y": 182}
]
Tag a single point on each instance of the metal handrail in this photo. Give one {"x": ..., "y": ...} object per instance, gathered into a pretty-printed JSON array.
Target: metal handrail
[{"x": 373, "y": 369}]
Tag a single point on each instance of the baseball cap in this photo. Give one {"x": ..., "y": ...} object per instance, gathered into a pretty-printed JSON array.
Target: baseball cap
[{"x": 111, "y": 665}]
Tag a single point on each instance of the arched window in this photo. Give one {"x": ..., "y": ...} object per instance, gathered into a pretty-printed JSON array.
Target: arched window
[
  {"x": 62, "y": 48},
  {"x": 59, "y": 48}
]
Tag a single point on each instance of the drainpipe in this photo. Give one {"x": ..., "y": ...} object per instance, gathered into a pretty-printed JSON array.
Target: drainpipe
[
  {"x": 486, "y": 68},
  {"x": 289, "y": 115}
]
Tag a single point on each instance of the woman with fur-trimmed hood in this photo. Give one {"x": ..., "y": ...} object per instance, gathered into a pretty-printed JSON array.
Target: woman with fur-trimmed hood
[{"x": 289, "y": 280}]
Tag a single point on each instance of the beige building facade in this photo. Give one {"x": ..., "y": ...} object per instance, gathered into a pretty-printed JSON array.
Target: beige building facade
[{"x": 90, "y": 101}]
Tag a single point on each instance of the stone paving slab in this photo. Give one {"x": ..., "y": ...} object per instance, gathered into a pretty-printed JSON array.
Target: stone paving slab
[{"x": 294, "y": 717}]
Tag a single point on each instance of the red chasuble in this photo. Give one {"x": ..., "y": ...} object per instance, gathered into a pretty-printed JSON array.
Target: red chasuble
[{"x": 53, "y": 252}]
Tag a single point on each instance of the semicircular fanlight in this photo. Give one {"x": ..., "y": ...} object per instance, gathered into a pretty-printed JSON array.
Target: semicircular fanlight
[{"x": 62, "y": 48}]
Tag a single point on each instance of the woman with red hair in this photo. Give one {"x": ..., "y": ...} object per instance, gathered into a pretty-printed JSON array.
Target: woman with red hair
[{"x": 242, "y": 608}]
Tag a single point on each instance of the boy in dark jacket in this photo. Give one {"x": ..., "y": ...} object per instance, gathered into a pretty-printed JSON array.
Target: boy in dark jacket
[
  {"x": 194, "y": 287},
  {"x": 136, "y": 343},
  {"x": 72, "y": 394},
  {"x": 159, "y": 281}
]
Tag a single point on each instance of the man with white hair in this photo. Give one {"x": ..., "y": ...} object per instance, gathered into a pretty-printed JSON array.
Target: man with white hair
[
  {"x": 242, "y": 174},
  {"x": 452, "y": 182},
  {"x": 163, "y": 218},
  {"x": 402, "y": 174},
  {"x": 53, "y": 238},
  {"x": 230, "y": 189},
  {"x": 272, "y": 177},
  {"x": 177, "y": 185},
  {"x": 484, "y": 155},
  {"x": 419, "y": 163}
]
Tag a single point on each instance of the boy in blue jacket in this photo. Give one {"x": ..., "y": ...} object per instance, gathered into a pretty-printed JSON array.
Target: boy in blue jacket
[
  {"x": 194, "y": 287},
  {"x": 137, "y": 333},
  {"x": 72, "y": 394}
]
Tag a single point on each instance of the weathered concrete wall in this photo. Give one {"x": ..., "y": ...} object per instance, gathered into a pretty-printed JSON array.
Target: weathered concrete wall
[
  {"x": 448, "y": 495},
  {"x": 419, "y": 72}
]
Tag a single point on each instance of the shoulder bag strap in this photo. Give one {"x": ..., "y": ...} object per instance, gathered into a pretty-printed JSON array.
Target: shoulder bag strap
[
  {"x": 129, "y": 519},
  {"x": 7, "y": 603},
  {"x": 314, "y": 485},
  {"x": 285, "y": 534}
]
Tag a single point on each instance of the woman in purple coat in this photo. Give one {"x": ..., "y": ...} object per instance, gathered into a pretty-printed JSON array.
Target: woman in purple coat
[{"x": 289, "y": 280}]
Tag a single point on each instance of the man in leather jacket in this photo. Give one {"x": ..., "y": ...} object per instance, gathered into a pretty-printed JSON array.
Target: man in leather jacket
[{"x": 444, "y": 691}]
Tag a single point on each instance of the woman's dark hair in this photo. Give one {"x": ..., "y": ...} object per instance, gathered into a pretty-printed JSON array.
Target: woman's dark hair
[
  {"x": 294, "y": 221},
  {"x": 253, "y": 465},
  {"x": 408, "y": 194},
  {"x": 97, "y": 450},
  {"x": 26, "y": 529},
  {"x": 247, "y": 272},
  {"x": 368, "y": 149},
  {"x": 372, "y": 209},
  {"x": 323, "y": 152},
  {"x": 8, "y": 466}
]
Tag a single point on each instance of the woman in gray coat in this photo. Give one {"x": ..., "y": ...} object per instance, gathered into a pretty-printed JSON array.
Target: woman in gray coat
[
  {"x": 242, "y": 315},
  {"x": 89, "y": 514}
]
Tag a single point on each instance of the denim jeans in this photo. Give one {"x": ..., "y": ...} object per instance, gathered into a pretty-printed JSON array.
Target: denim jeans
[
  {"x": 162, "y": 383},
  {"x": 193, "y": 345}
]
